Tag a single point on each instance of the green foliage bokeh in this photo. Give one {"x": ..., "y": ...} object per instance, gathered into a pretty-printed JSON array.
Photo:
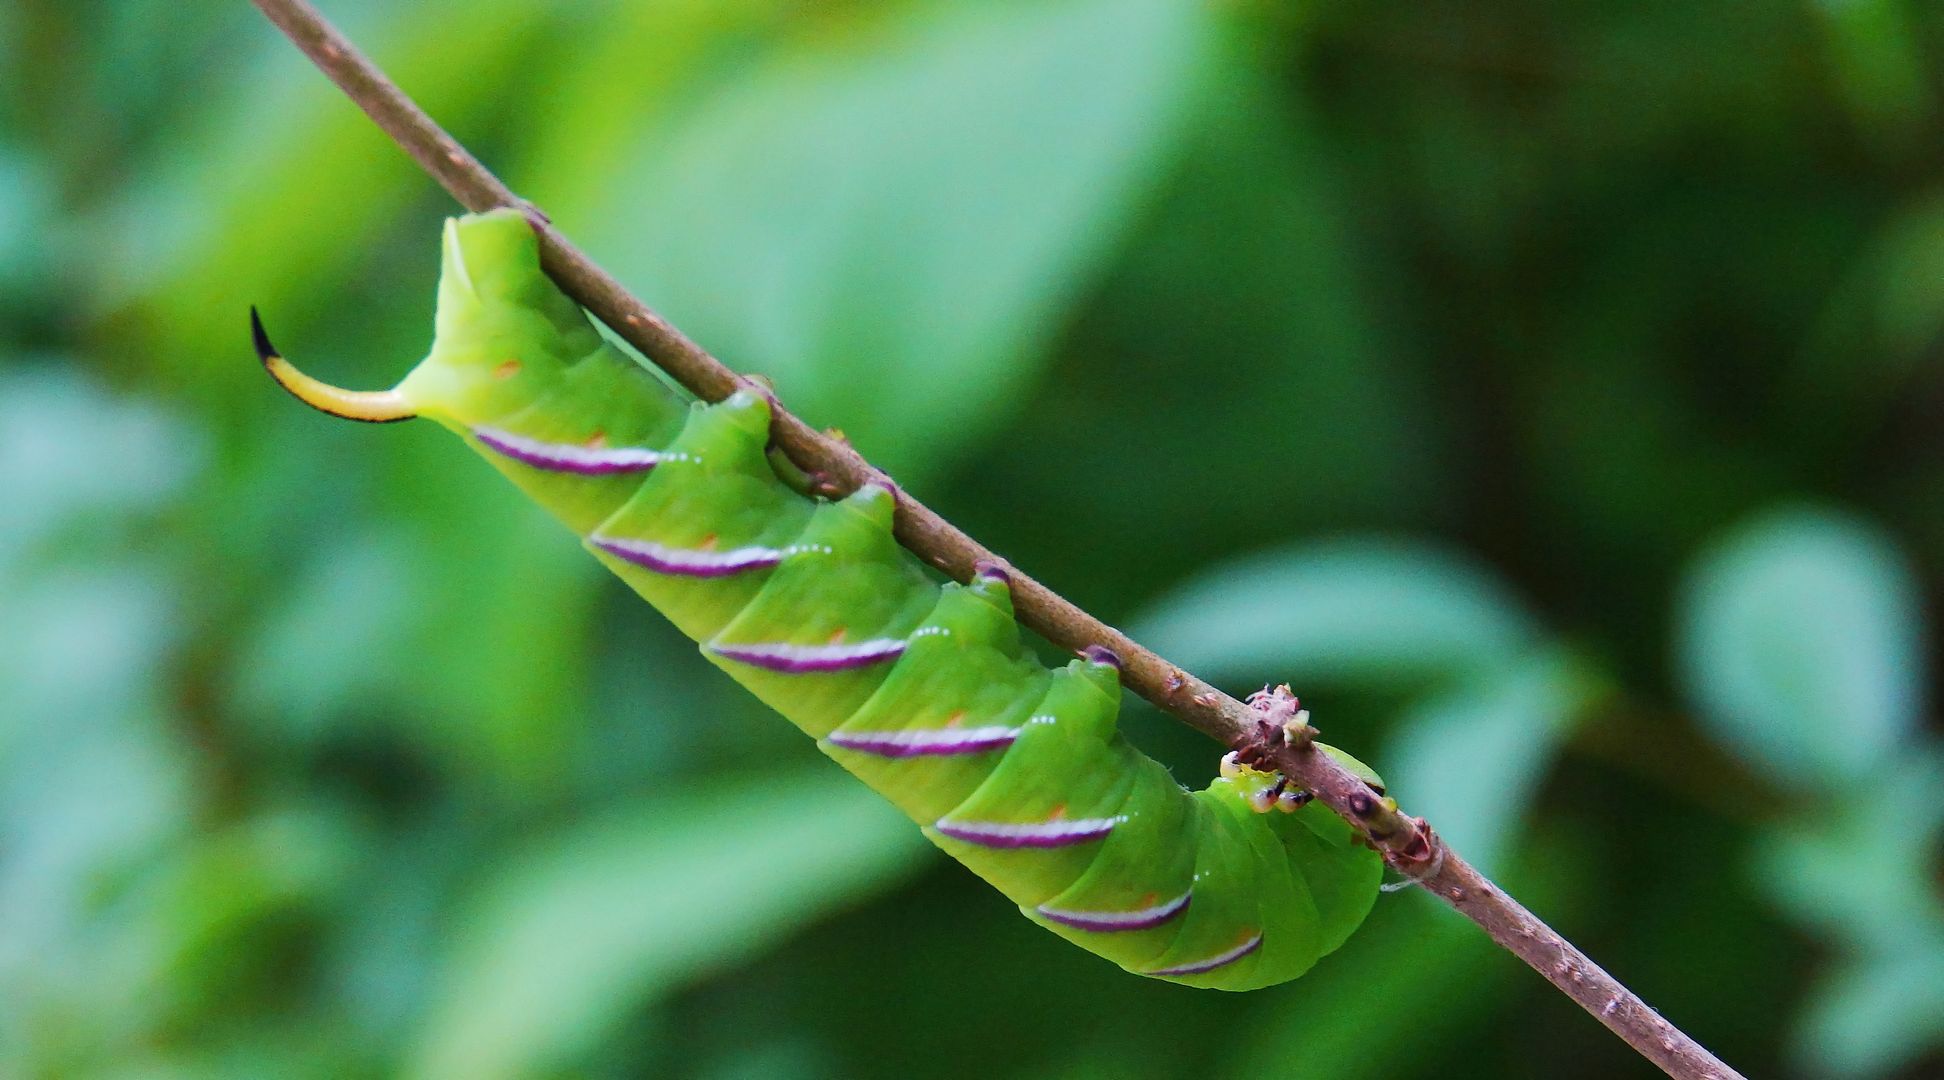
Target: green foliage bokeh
[{"x": 1552, "y": 394}]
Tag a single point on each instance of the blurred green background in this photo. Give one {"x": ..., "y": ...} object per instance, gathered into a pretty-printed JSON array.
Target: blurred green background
[{"x": 1552, "y": 393}]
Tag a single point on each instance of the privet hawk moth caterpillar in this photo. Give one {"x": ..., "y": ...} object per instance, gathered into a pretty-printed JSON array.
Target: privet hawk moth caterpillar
[{"x": 923, "y": 690}]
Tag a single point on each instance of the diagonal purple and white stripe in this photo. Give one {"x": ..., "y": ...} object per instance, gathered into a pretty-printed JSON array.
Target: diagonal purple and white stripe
[
  {"x": 688, "y": 562},
  {"x": 1197, "y": 967},
  {"x": 1044, "y": 834},
  {"x": 1107, "y": 922},
  {"x": 566, "y": 457},
  {"x": 803, "y": 659},
  {"x": 926, "y": 742}
]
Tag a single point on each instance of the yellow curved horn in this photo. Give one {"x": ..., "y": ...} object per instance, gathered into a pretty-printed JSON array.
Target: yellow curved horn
[{"x": 370, "y": 406}]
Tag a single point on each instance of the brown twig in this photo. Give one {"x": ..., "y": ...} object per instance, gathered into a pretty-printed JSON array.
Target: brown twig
[{"x": 1407, "y": 843}]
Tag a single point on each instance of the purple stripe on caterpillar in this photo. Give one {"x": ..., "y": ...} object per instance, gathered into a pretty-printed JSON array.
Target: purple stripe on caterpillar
[
  {"x": 1108, "y": 922},
  {"x": 987, "y": 570},
  {"x": 804, "y": 659},
  {"x": 688, "y": 562},
  {"x": 1197, "y": 967},
  {"x": 1101, "y": 654},
  {"x": 1045, "y": 834},
  {"x": 568, "y": 458},
  {"x": 926, "y": 742}
]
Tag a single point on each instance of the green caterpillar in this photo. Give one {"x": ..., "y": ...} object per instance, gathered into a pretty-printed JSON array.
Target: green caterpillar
[{"x": 922, "y": 690}]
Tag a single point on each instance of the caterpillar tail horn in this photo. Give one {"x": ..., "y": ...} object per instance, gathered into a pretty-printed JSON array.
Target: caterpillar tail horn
[{"x": 370, "y": 406}]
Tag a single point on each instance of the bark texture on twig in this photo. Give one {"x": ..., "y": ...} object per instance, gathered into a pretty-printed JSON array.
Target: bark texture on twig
[{"x": 1407, "y": 843}]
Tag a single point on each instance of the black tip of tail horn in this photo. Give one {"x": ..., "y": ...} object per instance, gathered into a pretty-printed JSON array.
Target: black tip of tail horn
[
  {"x": 260, "y": 338},
  {"x": 371, "y": 407}
]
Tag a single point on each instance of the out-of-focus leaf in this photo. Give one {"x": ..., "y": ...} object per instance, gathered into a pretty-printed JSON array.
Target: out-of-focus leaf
[
  {"x": 770, "y": 1060},
  {"x": 69, "y": 449},
  {"x": 78, "y": 651},
  {"x": 1876, "y": 1015},
  {"x": 91, "y": 782},
  {"x": 1876, "y": 335},
  {"x": 84, "y": 800},
  {"x": 623, "y": 909},
  {"x": 1904, "y": 280},
  {"x": 1860, "y": 871},
  {"x": 1291, "y": 407},
  {"x": 1799, "y": 641},
  {"x": 1415, "y": 958},
  {"x": 1855, "y": 869},
  {"x": 1879, "y": 58},
  {"x": 890, "y": 226},
  {"x": 204, "y": 915},
  {"x": 1470, "y": 760},
  {"x": 85, "y": 774},
  {"x": 26, "y": 220},
  {"x": 337, "y": 635},
  {"x": 1343, "y": 609},
  {"x": 617, "y": 87}
]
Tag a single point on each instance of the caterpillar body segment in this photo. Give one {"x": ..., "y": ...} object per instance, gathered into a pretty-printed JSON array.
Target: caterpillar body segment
[
  {"x": 962, "y": 695},
  {"x": 923, "y": 690},
  {"x": 792, "y": 630},
  {"x": 1131, "y": 903},
  {"x": 720, "y": 497}
]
